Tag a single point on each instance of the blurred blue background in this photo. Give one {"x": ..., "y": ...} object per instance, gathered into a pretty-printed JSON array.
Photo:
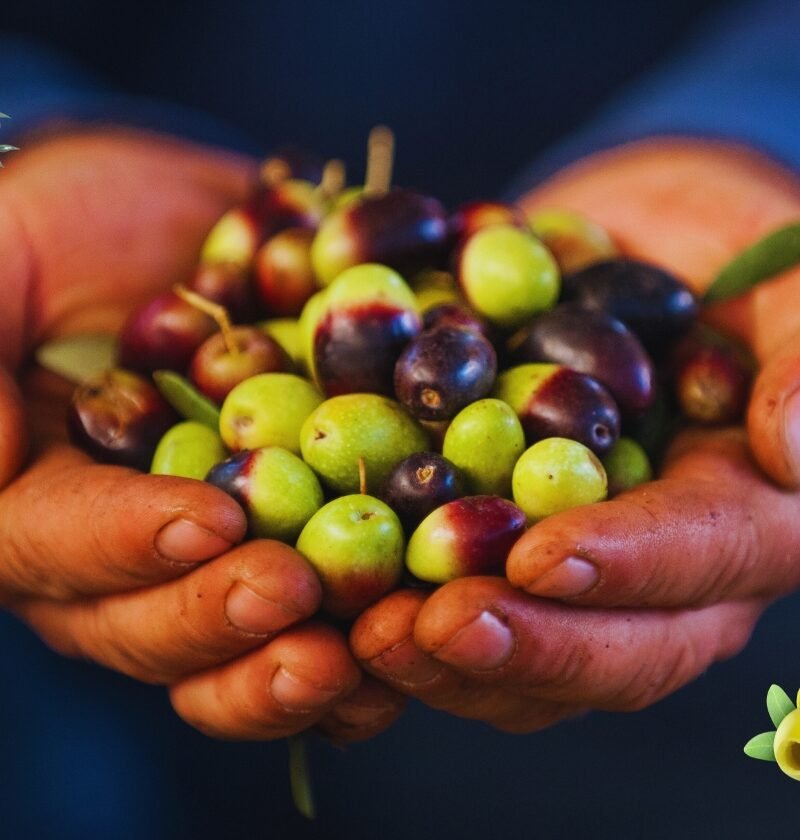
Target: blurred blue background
[{"x": 475, "y": 91}]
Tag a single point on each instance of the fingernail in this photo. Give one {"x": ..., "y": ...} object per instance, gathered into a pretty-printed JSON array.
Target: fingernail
[
  {"x": 296, "y": 694},
  {"x": 353, "y": 715},
  {"x": 791, "y": 432},
  {"x": 249, "y": 612},
  {"x": 571, "y": 577},
  {"x": 407, "y": 664},
  {"x": 186, "y": 542},
  {"x": 482, "y": 645}
]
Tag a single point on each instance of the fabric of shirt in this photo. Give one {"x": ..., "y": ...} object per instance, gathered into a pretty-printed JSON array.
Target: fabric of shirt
[{"x": 86, "y": 753}]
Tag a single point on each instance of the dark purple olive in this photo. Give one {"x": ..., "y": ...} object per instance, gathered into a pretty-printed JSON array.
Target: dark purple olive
[
  {"x": 119, "y": 418},
  {"x": 443, "y": 370},
  {"x": 163, "y": 335},
  {"x": 556, "y": 401},
  {"x": 401, "y": 229},
  {"x": 650, "y": 301},
  {"x": 368, "y": 316},
  {"x": 454, "y": 315},
  {"x": 593, "y": 343},
  {"x": 229, "y": 285},
  {"x": 419, "y": 484}
]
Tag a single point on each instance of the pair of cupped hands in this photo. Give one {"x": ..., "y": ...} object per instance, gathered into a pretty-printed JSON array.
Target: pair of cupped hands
[{"x": 609, "y": 606}]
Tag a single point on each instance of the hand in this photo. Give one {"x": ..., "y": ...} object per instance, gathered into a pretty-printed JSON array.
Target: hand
[
  {"x": 673, "y": 575},
  {"x": 141, "y": 573}
]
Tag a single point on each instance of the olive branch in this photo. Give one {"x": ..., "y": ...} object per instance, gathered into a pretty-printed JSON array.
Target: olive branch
[{"x": 4, "y": 147}]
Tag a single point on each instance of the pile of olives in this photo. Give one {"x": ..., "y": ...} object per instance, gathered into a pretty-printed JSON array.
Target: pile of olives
[{"x": 398, "y": 391}]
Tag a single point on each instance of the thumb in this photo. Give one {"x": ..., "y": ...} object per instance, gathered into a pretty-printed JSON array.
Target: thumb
[
  {"x": 13, "y": 431},
  {"x": 773, "y": 417}
]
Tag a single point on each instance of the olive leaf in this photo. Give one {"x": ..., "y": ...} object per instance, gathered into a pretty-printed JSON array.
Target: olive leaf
[
  {"x": 79, "y": 357},
  {"x": 771, "y": 255},
  {"x": 761, "y": 746},
  {"x": 186, "y": 399},
  {"x": 779, "y": 704},
  {"x": 300, "y": 776}
]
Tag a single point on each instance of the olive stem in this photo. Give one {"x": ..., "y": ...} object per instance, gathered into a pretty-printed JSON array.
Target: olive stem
[
  {"x": 380, "y": 161},
  {"x": 300, "y": 777},
  {"x": 333, "y": 179},
  {"x": 217, "y": 312},
  {"x": 362, "y": 475},
  {"x": 274, "y": 171}
]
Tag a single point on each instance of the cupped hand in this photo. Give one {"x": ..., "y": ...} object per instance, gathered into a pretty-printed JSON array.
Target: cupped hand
[
  {"x": 616, "y": 605},
  {"x": 144, "y": 574}
]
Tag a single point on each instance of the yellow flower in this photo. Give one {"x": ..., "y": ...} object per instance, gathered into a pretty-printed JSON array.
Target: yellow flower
[{"x": 787, "y": 745}]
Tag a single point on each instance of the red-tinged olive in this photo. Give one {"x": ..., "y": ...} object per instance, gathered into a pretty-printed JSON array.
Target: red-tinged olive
[
  {"x": 119, "y": 418},
  {"x": 278, "y": 492},
  {"x": 367, "y": 318},
  {"x": 226, "y": 359},
  {"x": 419, "y": 484},
  {"x": 229, "y": 285},
  {"x": 555, "y": 401},
  {"x": 443, "y": 370},
  {"x": 650, "y": 301},
  {"x": 284, "y": 276},
  {"x": 163, "y": 335},
  {"x": 271, "y": 209},
  {"x": 469, "y": 536},
  {"x": 593, "y": 343},
  {"x": 401, "y": 229},
  {"x": 454, "y": 315},
  {"x": 474, "y": 215},
  {"x": 713, "y": 375}
]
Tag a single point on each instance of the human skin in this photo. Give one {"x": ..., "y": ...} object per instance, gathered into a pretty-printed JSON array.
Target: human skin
[
  {"x": 83, "y": 239},
  {"x": 144, "y": 574},
  {"x": 670, "y": 576}
]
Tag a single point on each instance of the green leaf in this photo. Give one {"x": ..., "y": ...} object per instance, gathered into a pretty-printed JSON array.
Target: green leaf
[
  {"x": 773, "y": 254},
  {"x": 186, "y": 399},
  {"x": 300, "y": 777},
  {"x": 761, "y": 746},
  {"x": 779, "y": 704},
  {"x": 79, "y": 357},
  {"x": 7, "y": 148},
  {"x": 4, "y": 116}
]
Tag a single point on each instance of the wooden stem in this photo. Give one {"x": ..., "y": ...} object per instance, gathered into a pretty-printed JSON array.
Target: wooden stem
[
  {"x": 362, "y": 475},
  {"x": 274, "y": 171},
  {"x": 333, "y": 178},
  {"x": 217, "y": 312},
  {"x": 380, "y": 161}
]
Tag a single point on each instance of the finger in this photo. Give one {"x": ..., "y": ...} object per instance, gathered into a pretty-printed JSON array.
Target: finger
[
  {"x": 368, "y": 711},
  {"x": 13, "y": 433},
  {"x": 712, "y": 529},
  {"x": 280, "y": 689},
  {"x": 773, "y": 417},
  {"x": 608, "y": 659},
  {"x": 382, "y": 639},
  {"x": 207, "y": 617},
  {"x": 69, "y": 527}
]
